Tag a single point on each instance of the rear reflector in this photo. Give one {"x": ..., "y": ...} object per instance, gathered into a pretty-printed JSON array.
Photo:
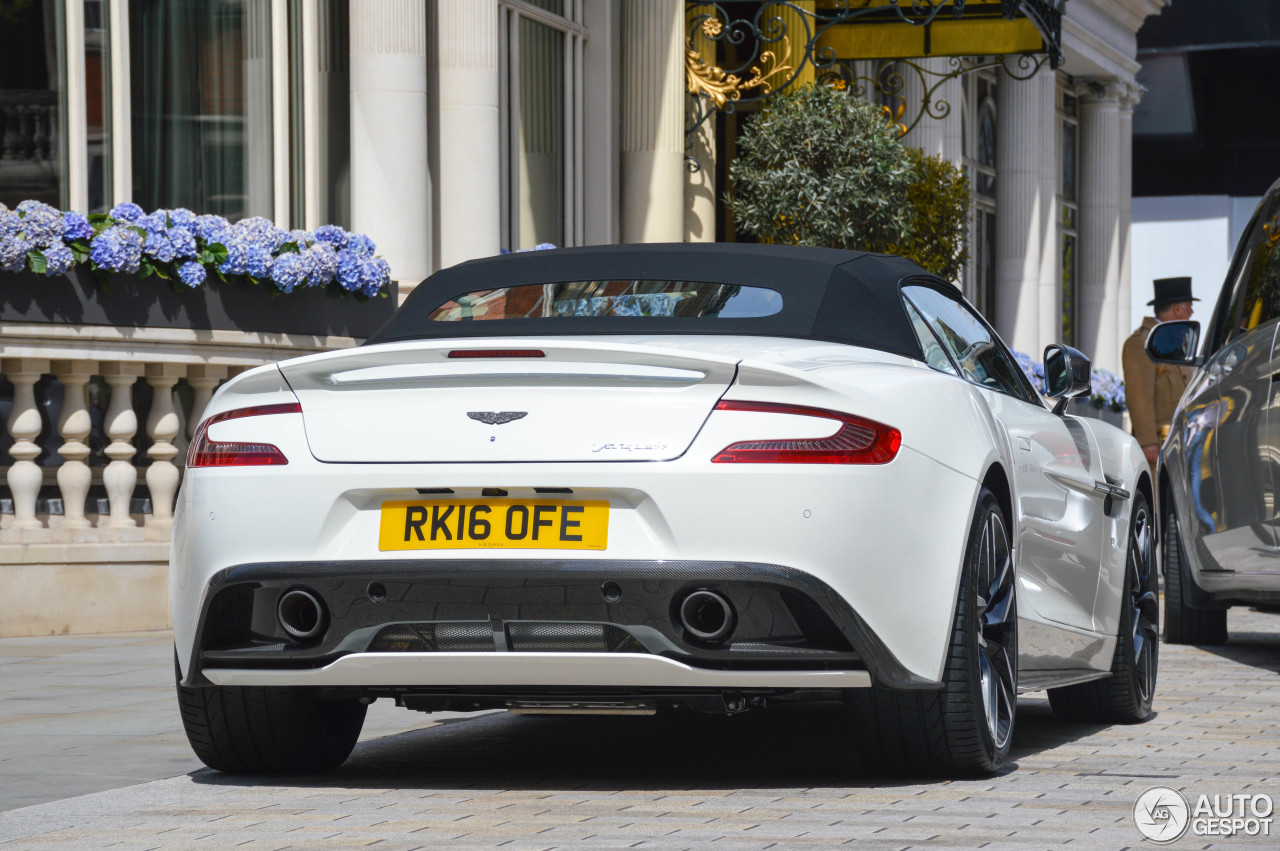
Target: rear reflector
[
  {"x": 859, "y": 441},
  {"x": 205, "y": 452},
  {"x": 496, "y": 353}
]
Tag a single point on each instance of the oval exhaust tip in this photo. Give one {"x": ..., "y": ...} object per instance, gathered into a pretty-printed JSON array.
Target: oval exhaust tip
[
  {"x": 301, "y": 613},
  {"x": 707, "y": 616}
]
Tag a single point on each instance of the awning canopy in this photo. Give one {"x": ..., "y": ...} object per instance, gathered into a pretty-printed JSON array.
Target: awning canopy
[{"x": 891, "y": 29}]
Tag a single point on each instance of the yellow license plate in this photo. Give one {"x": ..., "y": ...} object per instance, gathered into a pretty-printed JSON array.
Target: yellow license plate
[{"x": 494, "y": 524}]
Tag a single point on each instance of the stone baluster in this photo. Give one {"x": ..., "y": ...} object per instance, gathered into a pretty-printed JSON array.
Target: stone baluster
[
  {"x": 120, "y": 477},
  {"x": 24, "y": 476},
  {"x": 74, "y": 476},
  {"x": 180, "y": 441},
  {"x": 162, "y": 428},
  {"x": 204, "y": 379}
]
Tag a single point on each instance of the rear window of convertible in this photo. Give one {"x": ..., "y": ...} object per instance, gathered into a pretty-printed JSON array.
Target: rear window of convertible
[{"x": 643, "y": 298}]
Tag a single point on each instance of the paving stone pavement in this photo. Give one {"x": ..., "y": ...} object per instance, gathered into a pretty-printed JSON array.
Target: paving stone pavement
[{"x": 782, "y": 778}]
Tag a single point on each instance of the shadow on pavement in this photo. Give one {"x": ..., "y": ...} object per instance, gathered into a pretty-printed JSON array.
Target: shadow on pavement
[
  {"x": 1256, "y": 649},
  {"x": 783, "y": 747}
]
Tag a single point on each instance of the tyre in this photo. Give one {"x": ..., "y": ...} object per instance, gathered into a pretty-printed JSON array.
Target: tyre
[
  {"x": 965, "y": 728},
  {"x": 1125, "y": 697},
  {"x": 1182, "y": 623},
  {"x": 269, "y": 730}
]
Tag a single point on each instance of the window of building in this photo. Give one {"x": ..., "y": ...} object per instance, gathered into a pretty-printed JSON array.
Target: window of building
[
  {"x": 97, "y": 85},
  {"x": 541, "y": 110},
  {"x": 979, "y": 138},
  {"x": 201, "y": 92},
  {"x": 319, "y": 69},
  {"x": 33, "y": 104},
  {"x": 1068, "y": 206}
]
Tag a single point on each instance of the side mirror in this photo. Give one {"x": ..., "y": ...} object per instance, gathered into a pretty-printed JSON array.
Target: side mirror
[
  {"x": 1067, "y": 373},
  {"x": 1175, "y": 342}
]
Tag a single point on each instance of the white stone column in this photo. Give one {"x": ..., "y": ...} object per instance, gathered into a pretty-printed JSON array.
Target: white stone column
[
  {"x": 1100, "y": 222},
  {"x": 74, "y": 425},
  {"x": 653, "y": 91},
  {"x": 390, "y": 183},
  {"x": 468, "y": 189},
  {"x": 203, "y": 380},
  {"x": 934, "y": 136},
  {"x": 1025, "y": 250},
  {"x": 162, "y": 428},
  {"x": 1125, "y": 321},
  {"x": 24, "y": 476},
  {"x": 120, "y": 476}
]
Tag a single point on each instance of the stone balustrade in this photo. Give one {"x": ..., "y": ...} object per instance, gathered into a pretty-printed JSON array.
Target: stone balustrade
[{"x": 97, "y": 423}]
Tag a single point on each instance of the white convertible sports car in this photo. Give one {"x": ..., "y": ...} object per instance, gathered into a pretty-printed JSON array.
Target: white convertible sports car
[{"x": 631, "y": 479}]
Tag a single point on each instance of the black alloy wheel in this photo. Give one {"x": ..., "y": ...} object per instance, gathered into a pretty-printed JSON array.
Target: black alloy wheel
[
  {"x": 965, "y": 727},
  {"x": 1125, "y": 696},
  {"x": 995, "y": 626},
  {"x": 1182, "y": 623}
]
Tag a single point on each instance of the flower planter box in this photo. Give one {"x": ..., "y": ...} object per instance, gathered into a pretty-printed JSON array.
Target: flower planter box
[
  {"x": 1086, "y": 408},
  {"x": 236, "y": 305}
]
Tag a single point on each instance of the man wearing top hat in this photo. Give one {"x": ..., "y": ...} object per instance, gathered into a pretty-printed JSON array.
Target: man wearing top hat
[{"x": 1152, "y": 390}]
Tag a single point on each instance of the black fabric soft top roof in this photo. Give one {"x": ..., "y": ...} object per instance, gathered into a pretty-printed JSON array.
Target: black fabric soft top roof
[{"x": 838, "y": 296}]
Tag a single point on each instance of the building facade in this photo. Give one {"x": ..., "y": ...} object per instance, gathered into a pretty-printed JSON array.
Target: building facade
[{"x": 449, "y": 130}]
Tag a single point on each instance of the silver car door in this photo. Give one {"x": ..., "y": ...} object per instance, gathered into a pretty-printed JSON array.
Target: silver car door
[{"x": 1243, "y": 535}]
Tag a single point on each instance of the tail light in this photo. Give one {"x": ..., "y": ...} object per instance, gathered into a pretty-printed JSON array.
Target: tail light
[
  {"x": 859, "y": 441},
  {"x": 205, "y": 452}
]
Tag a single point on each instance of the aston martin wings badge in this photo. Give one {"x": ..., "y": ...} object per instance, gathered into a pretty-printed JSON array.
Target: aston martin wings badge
[{"x": 496, "y": 417}]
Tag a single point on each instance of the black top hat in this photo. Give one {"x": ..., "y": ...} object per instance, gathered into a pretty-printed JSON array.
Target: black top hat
[{"x": 1171, "y": 291}]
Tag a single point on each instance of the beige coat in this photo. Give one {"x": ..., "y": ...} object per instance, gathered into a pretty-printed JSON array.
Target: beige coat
[{"x": 1151, "y": 390}]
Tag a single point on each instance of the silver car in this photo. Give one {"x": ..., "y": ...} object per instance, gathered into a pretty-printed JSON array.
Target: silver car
[{"x": 1218, "y": 468}]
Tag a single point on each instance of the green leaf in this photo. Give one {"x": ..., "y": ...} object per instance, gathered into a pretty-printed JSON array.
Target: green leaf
[
  {"x": 160, "y": 271},
  {"x": 99, "y": 219},
  {"x": 218, "y": 272},
  {"x": 142, "y": 232},
  {"x": 35, "y": 259},
  {"x": 219, "y": 252},
  {"x": 145, "y": 270},
  {"x": 290, "y": 248}
]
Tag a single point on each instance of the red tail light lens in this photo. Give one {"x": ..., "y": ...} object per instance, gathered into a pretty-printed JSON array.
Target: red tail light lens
[
  {"x": 496, "y": 353},
  {"x": 859, "y": 441},
  {"x": 205, "y": 452}
]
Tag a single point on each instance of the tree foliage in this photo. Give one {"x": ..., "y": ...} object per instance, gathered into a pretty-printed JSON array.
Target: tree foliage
[{"x": 818, "y": 167}]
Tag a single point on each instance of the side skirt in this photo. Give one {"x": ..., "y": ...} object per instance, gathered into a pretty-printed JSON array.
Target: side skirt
[{"x": 1037, "y": 680}]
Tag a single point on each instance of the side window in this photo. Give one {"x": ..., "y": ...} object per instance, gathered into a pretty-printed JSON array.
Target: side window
[
  {"x": 1255, "y": 276},
  {"x": 934, "y": 355},
  {"x": 972, "y": 346}
]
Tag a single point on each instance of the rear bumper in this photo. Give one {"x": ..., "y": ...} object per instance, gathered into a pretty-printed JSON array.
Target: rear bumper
[
  {"x": 540, "y": 670},
  {"x": 473, "y": 622}
]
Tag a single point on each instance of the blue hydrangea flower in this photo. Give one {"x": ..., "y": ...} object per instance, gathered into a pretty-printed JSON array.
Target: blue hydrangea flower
[
  {"x": 127, "y": 212},
  {"x": 237, "y": 262},
  {"x": 380, "y": 276},
  {"x": 332, "y": 234},
  {"x": 75, "y": 226},
  {"x": 58, "y": 260},
  {"x": 41, "y": 224},
  {"x": 350, "y": 270},
  {"x": 361, "y": 244},
  {"x": 184, "y": 243},
  {"x": 117, "y": 249},
  {"x": 13, "y": 253},
  {"x": 212, "y": 228},
  {"x": 182, "y": 218},
  {"x": 159, "y": 247},
  {"x": 260, "y": 261},
  {"x": 324, "y": 264},
  {"x": 261, "y": 233},
  {"x": 9, "y": 222},
  {"x": 291, "y": 270},
  {"x": 191, "y": 273}
]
